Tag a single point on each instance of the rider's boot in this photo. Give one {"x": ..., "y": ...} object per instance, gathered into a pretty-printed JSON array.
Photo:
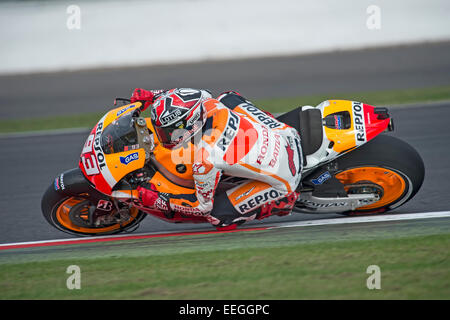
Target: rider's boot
[
  {"x": 225, "y": 217},
  {"x": 280, "y": 207}
]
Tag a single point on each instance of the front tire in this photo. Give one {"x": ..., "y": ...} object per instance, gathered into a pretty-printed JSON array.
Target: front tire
[{"x": 68, "y": 211}]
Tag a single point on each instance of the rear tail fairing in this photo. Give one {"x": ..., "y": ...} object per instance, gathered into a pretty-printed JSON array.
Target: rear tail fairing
[{"x": 346, "y": 126}]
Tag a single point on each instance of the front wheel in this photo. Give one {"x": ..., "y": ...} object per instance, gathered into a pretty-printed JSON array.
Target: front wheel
[
  {"x": 78, "y": 213},
  {"x": 387, "y": 166}
]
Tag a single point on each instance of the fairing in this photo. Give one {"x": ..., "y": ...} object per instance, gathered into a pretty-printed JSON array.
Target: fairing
[{"x": 104, "y": 168}]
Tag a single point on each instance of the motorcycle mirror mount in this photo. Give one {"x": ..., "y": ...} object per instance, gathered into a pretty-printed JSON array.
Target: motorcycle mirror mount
[
  {"x": 145, "y": 140},
  {"x": 121, "y": 99}
]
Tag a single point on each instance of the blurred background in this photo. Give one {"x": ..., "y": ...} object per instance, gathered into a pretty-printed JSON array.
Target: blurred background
[
  {"x": 62, "y": 63},
  {"x": 70, "y": 35},
  {"x": 88, "y": 52},
  {"x": 263, "y": 48}
]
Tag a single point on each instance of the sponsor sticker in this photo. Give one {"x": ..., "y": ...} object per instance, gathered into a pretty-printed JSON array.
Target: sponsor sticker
[
  {"x": 322, "y": 178},
  {"x": 195, "y": 117},
  {"x": 259, "y": 199},
  {"x": 104, "y": 205},
  {"x": 261, "y": 116},
  {"x": 244, "y": 194},
  {"x": 338, "y": 122},
  {"x": 230, "y": 131},
  {"x": 125, "y": 109},
  {"x": 359, "y": 123},
  {"x": 131, "y": 157},
  {"x": 264, "y": 147},
  {"x": 59, "y": 183},
  {"x": 97, "y": 148},
  {"x": 166, "y": 119},
  {"x": 276, "y": 151},
  {"x": 313, "y": 204},
  {"x": 187, "y": 210}
]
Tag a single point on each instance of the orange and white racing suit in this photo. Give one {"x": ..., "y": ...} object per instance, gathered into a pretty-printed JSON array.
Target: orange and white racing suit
[{"x": 240, "y": 140}]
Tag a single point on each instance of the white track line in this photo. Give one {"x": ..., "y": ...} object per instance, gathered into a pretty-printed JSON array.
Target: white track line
[
  {"x": 364, "y": 219},
  {"x": 82, "y": 238},
  {"x": 320, "y": 222}
]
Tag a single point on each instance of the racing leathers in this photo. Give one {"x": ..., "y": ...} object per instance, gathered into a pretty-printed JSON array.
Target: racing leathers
[{"x": 238, "y": 140}]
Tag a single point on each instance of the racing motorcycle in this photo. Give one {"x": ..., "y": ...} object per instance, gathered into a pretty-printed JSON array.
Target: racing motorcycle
[{"x": 350, "y": 167}]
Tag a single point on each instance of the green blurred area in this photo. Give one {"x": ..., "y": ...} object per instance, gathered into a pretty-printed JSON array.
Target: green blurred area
[
  {"x": 387, "y": 98},
  {"x": 272, "y": 105},
  {"x": 316, "y": 262}
]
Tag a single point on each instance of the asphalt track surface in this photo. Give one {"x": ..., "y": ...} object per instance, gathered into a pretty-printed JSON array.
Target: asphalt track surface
[{"x": 30, "y": 163}]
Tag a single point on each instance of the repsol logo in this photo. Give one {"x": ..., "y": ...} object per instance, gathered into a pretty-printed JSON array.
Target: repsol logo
[
  {"x": 359, "y": 124},
  {"x": 261, "y": 116},
  {"x": 258, "y": 200},
  {"x": 97, "y": 148},
  {"x": 59, "y": 183},
  {"x": 229, "y": 132}
]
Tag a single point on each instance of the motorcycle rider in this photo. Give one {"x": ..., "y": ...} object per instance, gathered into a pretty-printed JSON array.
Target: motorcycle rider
[{"x": 230, "y": 136}]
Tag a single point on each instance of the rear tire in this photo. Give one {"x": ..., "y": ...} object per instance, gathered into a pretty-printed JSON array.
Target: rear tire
[{"x": 386, "y": 161}]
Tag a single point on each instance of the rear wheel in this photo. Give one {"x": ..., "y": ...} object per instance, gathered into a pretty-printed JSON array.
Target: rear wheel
[
  {"x": 78, "y": 215},
  {"x": 386, "y": 166}
]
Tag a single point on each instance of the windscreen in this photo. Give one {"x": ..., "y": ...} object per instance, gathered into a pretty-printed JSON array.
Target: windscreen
[{"x": 120, "y": 135}]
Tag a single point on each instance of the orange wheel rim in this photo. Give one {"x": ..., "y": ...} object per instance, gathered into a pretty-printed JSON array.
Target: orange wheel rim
[
  {"x": 62, "y": 215},
  {"x": 392, "y": 183}
]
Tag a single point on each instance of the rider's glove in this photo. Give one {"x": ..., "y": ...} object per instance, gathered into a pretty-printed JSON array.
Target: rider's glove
[
  {"x": 146, "y": 96},
  {"x": 150, "y": 197}
]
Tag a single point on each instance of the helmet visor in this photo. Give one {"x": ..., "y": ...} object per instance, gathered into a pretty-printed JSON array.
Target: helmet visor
[
  {"x": 165, "y": 136},
  {"x": 170, "y": 137}
]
